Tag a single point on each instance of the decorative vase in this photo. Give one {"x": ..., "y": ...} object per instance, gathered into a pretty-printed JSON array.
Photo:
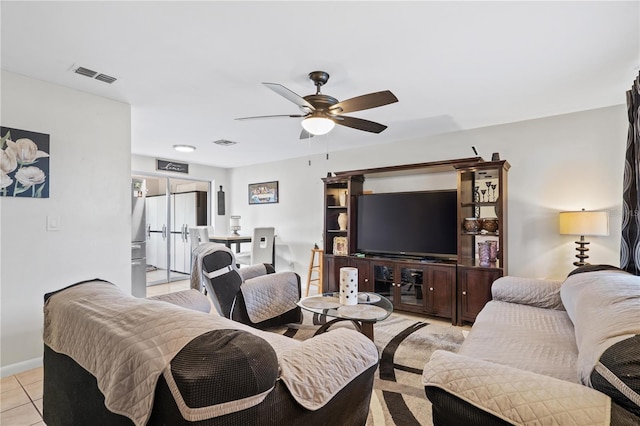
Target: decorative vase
[
  {"x": 490, "y": 224},
  {"x": 349, "y": 286},
  {"x": 471, "y": 225},
  {"x": 342, "y": 221},
  {"x": 484, "y": 253},
  {"x": 493, "y": 251},
  {"x": 343, "y": 198}
]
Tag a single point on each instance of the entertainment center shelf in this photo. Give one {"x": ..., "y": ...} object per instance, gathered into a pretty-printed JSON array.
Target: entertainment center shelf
[{"x": 451, "y": 283}]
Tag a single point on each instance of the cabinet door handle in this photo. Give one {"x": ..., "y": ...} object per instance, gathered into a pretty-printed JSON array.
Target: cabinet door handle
[
  {"x": 366, "y": 280},
  {"x": 430, "y": 288},
  {"x": 464, "y": 293}
]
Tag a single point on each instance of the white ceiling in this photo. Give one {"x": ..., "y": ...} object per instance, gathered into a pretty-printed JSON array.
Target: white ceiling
[{"x": 189, "y": 68}]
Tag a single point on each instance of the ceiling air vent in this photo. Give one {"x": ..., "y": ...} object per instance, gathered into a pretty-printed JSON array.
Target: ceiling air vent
[
  {"x": 224, "y": 142},
  {"x": 93, "y": 74},
  {"x": 106, "y": 78},
  {"x": 86, "y": 72}
]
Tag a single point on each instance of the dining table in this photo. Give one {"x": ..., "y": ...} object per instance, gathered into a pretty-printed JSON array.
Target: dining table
[{"x": 228, "y": 240}]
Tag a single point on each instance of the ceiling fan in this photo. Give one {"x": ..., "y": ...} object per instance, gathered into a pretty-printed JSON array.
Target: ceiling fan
[{"x": 321, "y": 112}]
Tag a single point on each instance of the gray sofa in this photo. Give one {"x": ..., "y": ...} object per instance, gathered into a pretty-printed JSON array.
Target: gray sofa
[
  {"x": 546, "y": 352},
  {"x": 111, "y": 359}
]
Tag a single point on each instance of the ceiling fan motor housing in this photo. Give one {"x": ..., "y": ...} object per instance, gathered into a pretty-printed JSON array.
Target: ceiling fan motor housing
[{"x": 321, "y": 102}]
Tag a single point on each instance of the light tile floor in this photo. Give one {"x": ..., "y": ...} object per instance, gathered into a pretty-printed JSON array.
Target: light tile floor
[{"x": 21, "y": 399}]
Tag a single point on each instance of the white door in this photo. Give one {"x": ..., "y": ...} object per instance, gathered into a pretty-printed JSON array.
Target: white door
[{"x": 184, "y": 207}]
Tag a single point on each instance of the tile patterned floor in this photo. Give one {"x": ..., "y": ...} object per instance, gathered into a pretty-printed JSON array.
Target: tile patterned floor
[{"x": 21, "y": 399}]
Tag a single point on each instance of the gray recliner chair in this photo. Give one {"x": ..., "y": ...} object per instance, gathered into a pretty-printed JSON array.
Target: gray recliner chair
[{"x": 255, "y": 295}]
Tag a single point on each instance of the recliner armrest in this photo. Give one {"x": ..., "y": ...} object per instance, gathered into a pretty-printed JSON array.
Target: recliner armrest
[
  {"x": 254, "y": 271},
  {"x": 513, "y": 395},
  {"x": 528, "y": 291}
]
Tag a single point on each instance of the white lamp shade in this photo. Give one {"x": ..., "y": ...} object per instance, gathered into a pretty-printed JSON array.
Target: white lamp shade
[
  {"x": 584, "y": 223},
  {"x": 317, "y": 125}
]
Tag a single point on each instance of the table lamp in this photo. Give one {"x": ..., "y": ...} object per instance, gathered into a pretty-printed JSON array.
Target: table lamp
[
  {"x": 234, "y": 225},
  {"x": 583, "y": 223}
]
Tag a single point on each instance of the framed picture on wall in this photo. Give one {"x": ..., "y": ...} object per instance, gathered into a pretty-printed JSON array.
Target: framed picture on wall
[
  {"x": 263, "y": 193},
  {"x": 25, "y": 163}
]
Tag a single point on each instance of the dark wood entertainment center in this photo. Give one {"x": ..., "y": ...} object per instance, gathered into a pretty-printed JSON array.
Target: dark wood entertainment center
[{"x": 455, "y": 288}]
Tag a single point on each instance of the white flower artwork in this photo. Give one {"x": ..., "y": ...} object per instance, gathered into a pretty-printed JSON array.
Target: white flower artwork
[{"x": 24, "y": 163}]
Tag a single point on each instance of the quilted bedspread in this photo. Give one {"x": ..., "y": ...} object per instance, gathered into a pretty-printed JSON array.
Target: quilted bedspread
[{"x": 126, "y": 343}]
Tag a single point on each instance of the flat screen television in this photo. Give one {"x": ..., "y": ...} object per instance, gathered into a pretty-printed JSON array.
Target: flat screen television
[{"x": 411, "y": 224}]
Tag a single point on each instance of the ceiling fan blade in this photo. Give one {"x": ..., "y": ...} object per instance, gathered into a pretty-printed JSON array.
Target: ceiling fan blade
[
  {"x": 289, "y": 95},
  {"x": 359, "y": 103},
  {"x": 305, "y": 135},
  {"x": 359, "y": 123},
  {"x": 272, "y": 116}
]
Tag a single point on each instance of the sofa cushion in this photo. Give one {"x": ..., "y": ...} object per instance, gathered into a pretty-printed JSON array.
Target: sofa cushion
[
  {"x": 618, "y": 374},
  {"x": 525, "y": 337}
]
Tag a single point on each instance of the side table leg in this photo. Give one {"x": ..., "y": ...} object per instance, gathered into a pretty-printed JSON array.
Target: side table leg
[{"x": 367, "y": 329}]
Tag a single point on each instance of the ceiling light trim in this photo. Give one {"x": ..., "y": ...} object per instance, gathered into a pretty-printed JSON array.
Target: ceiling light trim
[{"x": 184, "y": 148}]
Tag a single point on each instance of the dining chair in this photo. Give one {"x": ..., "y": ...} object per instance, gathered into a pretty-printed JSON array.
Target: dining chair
[
  {"x": 261, "y": 248},
  {"x": 198, "y": 235}
]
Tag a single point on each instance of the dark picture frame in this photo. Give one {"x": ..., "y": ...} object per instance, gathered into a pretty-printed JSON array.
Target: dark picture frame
[{"x": 264, "y": 193}]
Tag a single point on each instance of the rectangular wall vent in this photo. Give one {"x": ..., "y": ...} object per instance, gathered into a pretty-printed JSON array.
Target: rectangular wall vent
[
  {"x": 86, "y": 72},
  {"x": 224, "y": 142},
  {"x": 106, "y": 78},
  {"x": 94, "y": 74}
]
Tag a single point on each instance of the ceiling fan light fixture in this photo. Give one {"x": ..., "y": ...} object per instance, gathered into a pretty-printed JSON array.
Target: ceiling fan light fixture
[
  {"x": 318, "y": 125},
  {"x": 184, "y": 148}
]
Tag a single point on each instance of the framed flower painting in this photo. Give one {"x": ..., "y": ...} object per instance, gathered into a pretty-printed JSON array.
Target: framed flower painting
[{"x": 24, "y": 163}]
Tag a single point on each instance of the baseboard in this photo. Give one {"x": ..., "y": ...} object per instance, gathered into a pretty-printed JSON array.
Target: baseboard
[{"x": 19, "y": 367}]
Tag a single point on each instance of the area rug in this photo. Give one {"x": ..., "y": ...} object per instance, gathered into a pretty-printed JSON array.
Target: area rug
[{"x": 405, "y": 345}]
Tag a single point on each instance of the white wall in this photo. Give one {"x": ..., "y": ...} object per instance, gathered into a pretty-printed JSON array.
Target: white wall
[
  {"x": 564, "y": 162},
  {"x": 216, "y": 175},
  {"x": 90, "y": 171}
]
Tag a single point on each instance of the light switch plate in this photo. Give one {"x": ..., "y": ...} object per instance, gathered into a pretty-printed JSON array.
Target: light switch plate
[{"x": 53, "y": 223}]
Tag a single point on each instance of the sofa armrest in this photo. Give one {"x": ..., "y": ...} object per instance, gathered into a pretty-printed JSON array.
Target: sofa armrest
[
  {"x": 513, "y": 395},
  {"x": 191, "y": 299},
  {"x": 317, "y": 369},
  {"x": 528, "y": 291}
]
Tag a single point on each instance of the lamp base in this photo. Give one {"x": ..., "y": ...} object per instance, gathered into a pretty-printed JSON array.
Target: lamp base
[
  {"x": 581, "y": 252},
  {"x": 235, "y": 233}
]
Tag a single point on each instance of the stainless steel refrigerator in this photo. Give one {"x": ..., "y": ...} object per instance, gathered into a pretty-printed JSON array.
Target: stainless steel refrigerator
[{"x": 138, "y": 238}]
